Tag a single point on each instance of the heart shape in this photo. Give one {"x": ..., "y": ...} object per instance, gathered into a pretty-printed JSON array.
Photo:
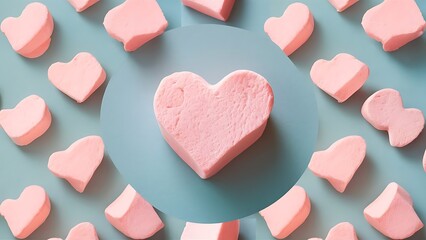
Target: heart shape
[
  {"x": 27, "y": 121},
  {"x": 385, "y": 111},
  {"x": 29, "y": 34},
  {"x": 292, "y": 29},
  {"x": 81, "y": 5},
  {"x": 340, "y": 161},
  {"x": 78, "y": 163},
  {"x": 394, "y": 23},
  {"x": 219, "y": 9},
  {"x": 25, "y": 214},
  {"x": 79, "y": 78},
  {"x": 209, "y": 125},
  {"x": 341, "y": 77}
]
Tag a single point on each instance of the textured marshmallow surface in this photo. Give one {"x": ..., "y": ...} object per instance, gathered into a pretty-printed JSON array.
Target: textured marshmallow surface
[
  {"x": 79, "y": 78},
  {"x": 341, "y": 77},
  {"x": 394, "y": 23},
  {"x": 340, "y": 161},
  {"x": 219, "y": 9},
  {"x": 342, "y": 5},
  {"x": 292, "y": 29},
  {"x": 209, "y": 125},
  {"x": 27, "y": 121},
  {"x": 78, "y": 163},
  {"x": 25, "y": 214},
  {"x": 81, "y": 5},
  {"x": 133, "y": 216},
  {"x": 342, "y": 231},
  {"x": 135, "y": 22},
  {"x": 393, "y": 214},
  {"x": 215, "y": 231},
  {"x": 288, "y": 213},
  {"x": 83, "y": 231},
  {"x": 385, "y": 111},
  {"x": 29, "y": 34}
]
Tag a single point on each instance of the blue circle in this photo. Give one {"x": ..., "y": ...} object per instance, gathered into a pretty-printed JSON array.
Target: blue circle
[{"x": 253, "y": 180}]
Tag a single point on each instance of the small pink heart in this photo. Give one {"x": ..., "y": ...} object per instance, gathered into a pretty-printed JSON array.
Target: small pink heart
[
  {"x": 219, "y": 9},
  {"x": 341, "y": 77},
  {"x": 25, "y": 214},
  {"x": 292, "y": 29},
  {"x": 79, "y": 78},
  {"x": 340, "y": 161},
  {"x": 29, "y": 34},
  {"x": 209, "y": 125},
  {"x": 78, "y": 163}
]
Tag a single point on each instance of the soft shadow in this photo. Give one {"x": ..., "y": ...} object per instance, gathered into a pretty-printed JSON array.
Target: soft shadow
[
  {"x": 415, "y": 150},
  {"x": 306, "y": 54},
  {"x": 310, "y": 226},
  {"x": 51, "y": 223},
  {"x": 92, "y": 105},
  {"x": 360, "y": 185},
  {"x": 412, "y": 55},
  {"x": 354, "y": 14},
  {"x": 96, "y": 13},
  {"x": 354, "y": 103}
]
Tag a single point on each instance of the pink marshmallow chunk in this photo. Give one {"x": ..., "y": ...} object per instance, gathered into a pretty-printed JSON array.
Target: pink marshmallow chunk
[
  {"x": 393, "y": 214},
  {"x": 83, "y": 231},
  {"x": 384, "y": 110},
  {"x": 287, "y": 214},
  {"x": 342, "y": 231},
  {"x": 133, "y": 216},
  {"x": 292, "y": 29},
  {"x": 25, "y": 214},
  {"x": 81, "y": 5},
  {"x": 29, "y": 34},
  {"x": 215, "y": 231},
  {"x": 340, "y": 161},
  {"x": 27, "y": 121},
  {"x": 209, "y": 125},
  {"x": 135, "y": 22},
  {"x": 341, "y": 77},
  {"x": 424, "y": 161},
  {"x": 219, "y": 9},
  {"x": 394, "y": 23},
  {"x": 79, "y": 162},
  {"x": 79, "y": 78},
  {"x": 342, "y": 5}
]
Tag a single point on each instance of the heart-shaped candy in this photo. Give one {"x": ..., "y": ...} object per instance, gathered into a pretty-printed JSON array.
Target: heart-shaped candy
[
  {"x": 292, "y": 29},
  {"x": 83, "y": 231},
  {"x": 210, "y": 231},
  {"x": 25, "y": 214},
  {"x": 79, "y": 78},
  {"x": 219, "y": 9},
  {"x": 27, "y": 121},
  {"x": 394, "y": 23},
  {"x": 342, "y": 231},
  {"x": 29, "y": 34},
  {"x": 78, "y": 163},
  {"x": 209, "y": 125},
  {"x": 340, "y": 161},
  {"x": 81, "y": 5},
  {"x": 341, "y": 77}
]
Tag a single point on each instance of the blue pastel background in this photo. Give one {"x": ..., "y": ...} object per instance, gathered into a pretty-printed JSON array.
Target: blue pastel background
[{"x": 404, "y": 70}]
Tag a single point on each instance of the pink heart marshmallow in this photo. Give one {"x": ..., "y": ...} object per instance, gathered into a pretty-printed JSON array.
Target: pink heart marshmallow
[{"x": 219, "y": 9}]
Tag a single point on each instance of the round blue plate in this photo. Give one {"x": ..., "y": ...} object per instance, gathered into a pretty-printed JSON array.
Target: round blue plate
[{"x": 253, "y": 180}]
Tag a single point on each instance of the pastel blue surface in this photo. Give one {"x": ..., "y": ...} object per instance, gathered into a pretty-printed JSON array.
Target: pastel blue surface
[
  {"x": 254, "y": 179},
  {"x": 334, "y": 32}
]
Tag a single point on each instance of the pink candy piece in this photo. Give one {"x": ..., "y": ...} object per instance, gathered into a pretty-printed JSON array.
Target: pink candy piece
[
  {"x": 135, "y": 22},
  {"x": 342, "y": 5},
  {"x": 27, "y": 121},
  {"x": 341, "y": 77},
  {"x": 133, "y": 216},
  {"x": 393, "y": 214},
  {"x": 394, "y": 23},
  {"x": 288, "y": 213},
  {"x": 25, "y": 214},
  {"x": 340, "y": 161},
  {"x": 385, "y": 111},
  {"x": 215, "y": 231},
  {"x": 81, "y": 5},
  {"x": 29, "y": 34},
  {"x": 292, "y": 29},
  {"x": 83, "y": 231},
  {"x": 209, "y": 125},
  {"x": 219, "y": 9},
  {"x": 424, "y": 161},
  {"x": 79, "y": 162},
  {"x": 342, "y": 231},
  {"x": 79, "y": 78}
]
